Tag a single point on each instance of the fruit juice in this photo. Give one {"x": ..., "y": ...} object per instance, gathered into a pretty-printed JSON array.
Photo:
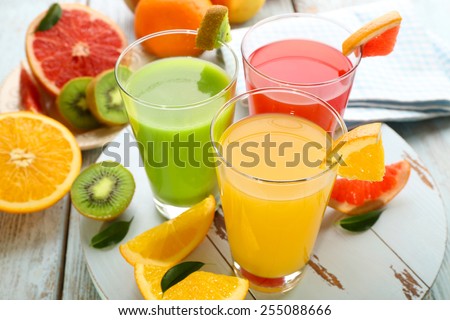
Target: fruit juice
[
  {"x": 177, "y": 171},
  {"x": 272, "y": 225},
  {"x": 304, "y": 64}
]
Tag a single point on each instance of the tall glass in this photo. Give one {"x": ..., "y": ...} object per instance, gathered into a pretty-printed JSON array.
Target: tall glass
[
  {"x": 170, "y": 102},
  {"x": 275, "y": 174},
  {"x": 300, "y": 51}
]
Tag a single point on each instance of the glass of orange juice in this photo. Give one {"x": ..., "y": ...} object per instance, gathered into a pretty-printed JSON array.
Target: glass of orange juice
[{"x": 275, "y": 177}]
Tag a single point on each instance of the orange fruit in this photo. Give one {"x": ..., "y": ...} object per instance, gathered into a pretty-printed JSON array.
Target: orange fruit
[
  {"x": 158, "y": 15},
  {"x": 83, "y": 42},
  {"x": 39, "y": 160},
  {"x": 199, "y": 285},
  {"x": 377, "y": 37},
  {"x": 362, "y": 153},
  {"x": 354, "y": 197},
  {"x": 171, "y": 241}
]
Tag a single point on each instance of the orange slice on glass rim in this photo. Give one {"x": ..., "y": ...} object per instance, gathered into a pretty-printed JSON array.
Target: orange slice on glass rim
[
  {"x": 171, "y": 241},
  {"x": 377, "y": 37}
]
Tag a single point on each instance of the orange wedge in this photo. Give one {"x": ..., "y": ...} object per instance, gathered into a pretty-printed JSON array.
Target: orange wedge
[
  {"x": 362, "y": 153},
  {"x": 377, "y": 37},
  {"x": 199, "y": 285},
  {"x": 39, "y": 160},
  {"x": 171, "y": 241}
]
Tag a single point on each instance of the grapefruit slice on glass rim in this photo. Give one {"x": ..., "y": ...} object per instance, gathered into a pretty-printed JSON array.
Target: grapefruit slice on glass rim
[
  {"x": 83, "y": 42},
  {"x": 377, "y": 37},
  {"x": 355, "y": 197}
]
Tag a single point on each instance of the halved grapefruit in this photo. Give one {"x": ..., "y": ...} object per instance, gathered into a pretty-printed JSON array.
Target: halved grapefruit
[
  {"x": 83, "y": 42},
  {"x": 355, "y": 197},
  {"x": 377, "y": 38}
]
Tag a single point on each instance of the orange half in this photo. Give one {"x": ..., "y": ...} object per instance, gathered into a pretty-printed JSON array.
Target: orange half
[
  {"x": 199, "y": 285},
  {"x": 372, "y": 30},
  {"x": 39, "y": 160},
  {"x": 171, "y": 241}
]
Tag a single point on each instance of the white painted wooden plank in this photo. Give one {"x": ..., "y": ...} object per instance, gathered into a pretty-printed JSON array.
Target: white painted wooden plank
[
  {"x": 77, "y": 284},
  {"x": 31, "y": 253},
  {"x": 431, "y": 139}
]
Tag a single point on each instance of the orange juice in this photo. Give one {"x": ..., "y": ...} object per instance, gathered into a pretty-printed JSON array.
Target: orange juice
[{"x": 275, "y": 192}]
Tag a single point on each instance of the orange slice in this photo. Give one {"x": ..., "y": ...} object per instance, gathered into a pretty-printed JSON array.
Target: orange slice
[
  {"x": 377, "y": 37},
  {"x": 362, "y": 153},
  {"x": 171, "y": 241},
  {"x": 199, "y": 285},
  {"x": 39, "y": 160}
]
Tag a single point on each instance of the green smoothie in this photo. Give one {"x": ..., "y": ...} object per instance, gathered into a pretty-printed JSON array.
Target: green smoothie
[{"x": 176, "y": 101}]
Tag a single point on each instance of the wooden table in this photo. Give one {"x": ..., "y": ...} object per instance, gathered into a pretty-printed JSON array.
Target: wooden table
[{"x": 40, "y": 253}]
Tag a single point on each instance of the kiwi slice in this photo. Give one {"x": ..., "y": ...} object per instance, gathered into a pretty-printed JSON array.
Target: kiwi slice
[
  {"x": 104, "y": 99},
  {"x": 213, "y": 28},
  {"x": 103, "y": 190},
  {"x": 72, "y": 104}
]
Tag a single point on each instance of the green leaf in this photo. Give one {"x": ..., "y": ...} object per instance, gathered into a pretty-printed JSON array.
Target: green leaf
[
  {"x": 178, "y": 273},
  {"x": 51, "y": 18},
  {"x": 360, "y": 223},
  {"x": 113, "y": 234}
]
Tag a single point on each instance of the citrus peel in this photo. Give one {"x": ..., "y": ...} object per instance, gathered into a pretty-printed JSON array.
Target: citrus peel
[{"x": 370, "y": 31}]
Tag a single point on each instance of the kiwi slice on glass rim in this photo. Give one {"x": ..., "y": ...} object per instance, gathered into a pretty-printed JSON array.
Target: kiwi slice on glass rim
[
  {"x": 104, "y": 99},
  {"x": 103, "y": 190},
  {"x": 214, "y": 28},
  {"x": 72, "y": 105}
]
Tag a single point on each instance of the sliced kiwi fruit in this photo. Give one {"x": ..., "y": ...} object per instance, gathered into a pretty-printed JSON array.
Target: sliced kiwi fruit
[
  {"x": 73, "y": 107},
  {"x": 104, "y": 99},
  {"x": 214, "y": 28},
  {"x": 103, "y": 190}
]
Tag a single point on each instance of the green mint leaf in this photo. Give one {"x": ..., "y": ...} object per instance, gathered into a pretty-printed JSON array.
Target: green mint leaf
[
  {"x": 178, "y": 273},
  {"x": 360, "y": 223},
  {"x": 113, "y": 234},
  {"x": 51, "y": 18}
]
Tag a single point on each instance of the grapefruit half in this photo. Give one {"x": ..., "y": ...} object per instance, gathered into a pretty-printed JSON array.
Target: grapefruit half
[
  {"x": 355, "y": 197},
  {"x": 82, "y": 43}
]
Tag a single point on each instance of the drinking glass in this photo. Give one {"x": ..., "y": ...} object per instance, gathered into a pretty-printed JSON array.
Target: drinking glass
[
  {"x": 301, "y": 51},
  {"x": 275, "y": 174},
  {"x": 170, "y": 101}
]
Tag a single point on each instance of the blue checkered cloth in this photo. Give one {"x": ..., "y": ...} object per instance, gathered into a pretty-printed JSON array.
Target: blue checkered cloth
[{"x": 410, "y": 84}]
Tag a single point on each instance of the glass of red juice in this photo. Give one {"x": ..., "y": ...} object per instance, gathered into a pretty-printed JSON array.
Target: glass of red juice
[{"x": 301, "y": 51}]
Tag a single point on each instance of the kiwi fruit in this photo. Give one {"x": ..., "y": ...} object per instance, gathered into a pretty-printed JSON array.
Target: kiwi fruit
[
  {"x": 72, "y": 104},
  {"x": 103, "y": 190},
  {"x": 104, "y": 99},
  {"x": 214, "y": 28}
]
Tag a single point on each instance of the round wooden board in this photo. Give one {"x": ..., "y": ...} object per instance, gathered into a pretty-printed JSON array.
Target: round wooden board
[
  {"x": 398, "y": 258},
  {"x": 10, "y": 102}
]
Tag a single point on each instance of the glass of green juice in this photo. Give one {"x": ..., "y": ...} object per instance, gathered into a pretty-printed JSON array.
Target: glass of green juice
[{"x": 171, "y": 97}]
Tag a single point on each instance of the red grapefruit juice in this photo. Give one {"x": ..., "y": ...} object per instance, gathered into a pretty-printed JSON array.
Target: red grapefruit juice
[{"x": 307, "y": 65}]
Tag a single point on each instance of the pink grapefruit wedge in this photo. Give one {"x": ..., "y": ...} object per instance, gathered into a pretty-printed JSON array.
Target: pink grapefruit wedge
[
  {"x": 355, "y": 197},
  {"x": 377, "y": 38}
]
